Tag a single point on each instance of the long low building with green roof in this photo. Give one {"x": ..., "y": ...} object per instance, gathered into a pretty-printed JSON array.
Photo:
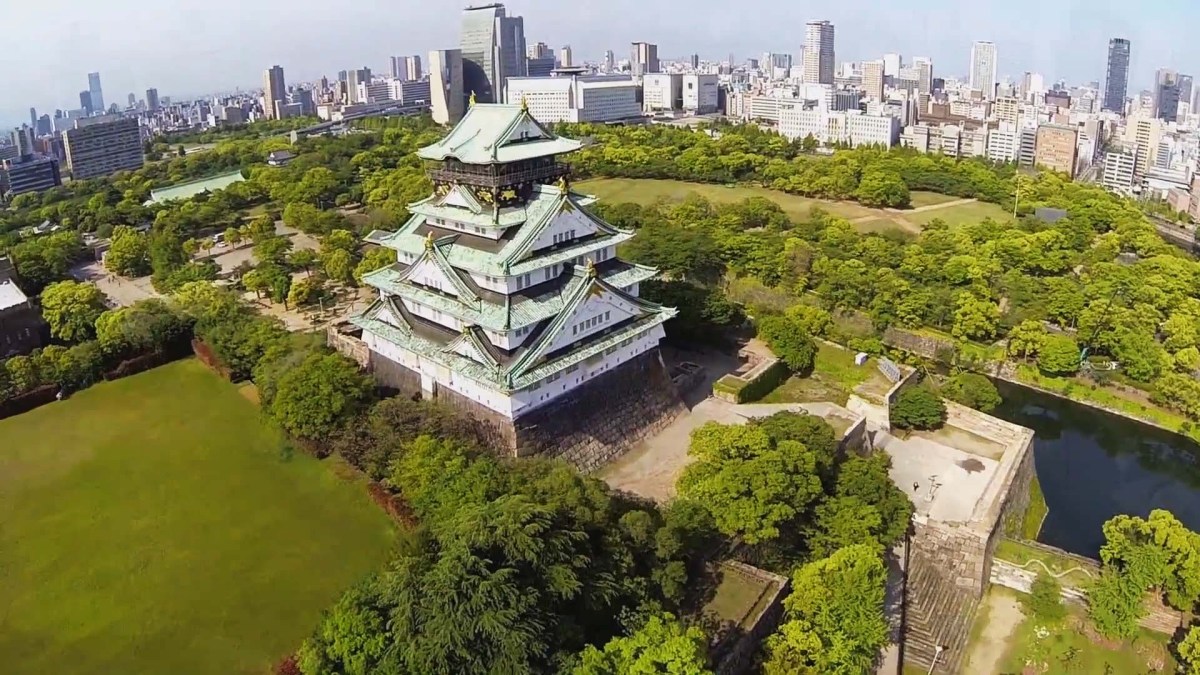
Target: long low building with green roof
[
  {"x": 507, "y": 294},
  {"x": 194, "y": 187}
]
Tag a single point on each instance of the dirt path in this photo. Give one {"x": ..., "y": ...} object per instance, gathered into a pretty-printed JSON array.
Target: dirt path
[
  {"x": 1003, "y": 614},
  {"x": 933, "y": 207}
]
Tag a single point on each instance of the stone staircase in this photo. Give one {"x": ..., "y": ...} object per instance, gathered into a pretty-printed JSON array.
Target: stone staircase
[{"x": 937, "y": 613}]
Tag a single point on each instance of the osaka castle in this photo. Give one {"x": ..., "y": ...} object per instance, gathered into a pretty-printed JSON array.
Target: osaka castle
[{"x": 507, "y": 298}]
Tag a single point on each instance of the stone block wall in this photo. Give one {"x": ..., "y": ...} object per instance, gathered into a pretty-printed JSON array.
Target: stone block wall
[
  {"x": 959, "y": 552},
  {"x": 588, "y": 427},
  {"x": 348, "y": 345},
  {"x": 737, "y": 659}
]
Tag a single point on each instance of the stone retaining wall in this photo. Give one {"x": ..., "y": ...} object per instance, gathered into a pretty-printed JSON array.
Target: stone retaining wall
[{"x": 738, "y": 659}]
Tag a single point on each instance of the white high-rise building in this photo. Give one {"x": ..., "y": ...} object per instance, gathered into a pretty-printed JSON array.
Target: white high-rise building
[
  {"x": 983, "y": 68},
  {"x": 446, "y": 96},
  {"x": 564, "y": 57},
  {"x": 872, "y": 78},
  {"x": 493, "y": 50},
  {"x": 796, "y": 121},
  {"x": 1120, "y": 165},
  {"x": 818, "y": 52},
  {"x": 924, "y": 67},
  {"x": 662, "y": 91},
  {"x": 892, "y": 64},
  {"x": 407, "y": 68},
  {"x": 1003, "y": 143}
]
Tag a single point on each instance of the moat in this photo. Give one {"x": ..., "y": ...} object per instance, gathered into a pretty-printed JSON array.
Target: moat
[{"x": 1093, "y": 465}]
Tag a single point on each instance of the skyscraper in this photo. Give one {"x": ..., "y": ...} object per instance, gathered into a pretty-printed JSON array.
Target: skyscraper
[
  {"x": 274, "y": 90},
  {"x": 983, "y": 68},
  {"x": 872, "y": 78},
  {"x": 132, "y": 99},
  {"x": 1116, "y": 77},
  {"x": 924, "y": 68},
  {"x": 892, "y": 64},
  {"x": 94, "y": 91},
  {"x": 33, "y": 117},
  {"x": 152, "y": 99},
  {"x": 564, "y": 57},
  {"x": 407, "y": 68},
  {"x": 493, "y": 49},
  {"x": 610, "y": 61},
  {"x": 446, "y": 85},
  {"x": 643, "y": 58},
  {"x": 818, "y": 52},
  {"x": 85, "y": 102},
  {"x": 1166, "y": 94}
]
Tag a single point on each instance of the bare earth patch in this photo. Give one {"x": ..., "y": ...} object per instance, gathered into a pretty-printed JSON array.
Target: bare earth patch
[{"x": 1003, "y": 614}]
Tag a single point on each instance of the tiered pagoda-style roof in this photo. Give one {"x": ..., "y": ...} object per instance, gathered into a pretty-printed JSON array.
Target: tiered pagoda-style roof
[{"x": 499, "y": 270}]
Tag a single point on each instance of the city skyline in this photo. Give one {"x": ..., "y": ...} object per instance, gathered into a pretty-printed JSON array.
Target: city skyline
[{"x": 196, "y": 48}]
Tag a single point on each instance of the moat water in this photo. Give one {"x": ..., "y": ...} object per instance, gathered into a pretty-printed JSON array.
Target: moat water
[{"x": 1093, "y": 465}]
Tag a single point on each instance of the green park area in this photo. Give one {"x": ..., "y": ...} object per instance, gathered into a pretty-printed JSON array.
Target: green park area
[
  {"x": 646, "y": 192},
  {"x": 155, "y": 524}
]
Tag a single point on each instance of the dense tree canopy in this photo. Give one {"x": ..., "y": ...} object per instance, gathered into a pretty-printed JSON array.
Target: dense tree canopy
[{"x": 71, "y": 310}]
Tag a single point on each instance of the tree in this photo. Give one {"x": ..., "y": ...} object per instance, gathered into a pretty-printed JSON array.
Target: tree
[
  {"x": 316, "y": 397},
  {"x": 835, "y": 620},
  {"x": 262, "y": 228},
  {"x": 975, "y": 318},
  {"x": 1026, "y": 338},
  {"x": 918, "y": 408},
  {"x": 812, "y": 431},
  {"x": 233, "y": 235},
  {"x": 304, "y": 259},
  {"x": 272, "y": 249},
  {"x": 191, "y": 247},
  {"x": 376, "y": 258},
  {"x": 1058, "y": 355},
  {"x": 304, "y": 292},
  {"x": 71, "y": 310},
  {"x": 1141, "y": 356},
  {"x": 338, "y": 266},
  {"x": 662, "y": 645},
  {"x": 1189, "y": 650},
  {"x": 867, "y": 479},
  {"x": 880, "y": 188},
  {"x": 794, "y": 347},
  {"x": 1044, "y": 600},
  {"x": 129, "y": 253},
  {"x": 972, "y": 390},
  {"x": 751, "y": 485}
]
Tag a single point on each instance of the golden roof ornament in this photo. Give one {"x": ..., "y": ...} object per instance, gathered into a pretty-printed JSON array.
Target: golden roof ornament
[
  {"x": 428, "y": 241},
  {"x": 590, "y": 268},
  {"x": 472, "y": 99},
  {"x": 562, "y": 184},
  {"x": 524, "y": 104}
]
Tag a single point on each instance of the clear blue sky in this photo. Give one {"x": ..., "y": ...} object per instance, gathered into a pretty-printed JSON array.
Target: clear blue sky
[{"x": 185, "y": 47}]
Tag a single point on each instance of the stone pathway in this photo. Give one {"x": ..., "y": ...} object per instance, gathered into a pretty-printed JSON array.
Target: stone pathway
[{"x": 1003, "y": 613}]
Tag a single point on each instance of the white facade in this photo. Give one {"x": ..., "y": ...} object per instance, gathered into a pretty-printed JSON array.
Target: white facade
[
  {"x": 892, "y": 64},
  {"x": 662, "y": 91},
  {"x": 1003, "y": 143},
  {"x": 700, "y": 93},
  {"x": 853, "y": 127},
  {"x": 1119, "y": 167},
  {"x": 872, "y": 78},
  {"x": 983, "y": 68},
  {"x": 446, "y": 85},
  {"x": 818, "y": 52},
  {"x": 580, "y": 98}
]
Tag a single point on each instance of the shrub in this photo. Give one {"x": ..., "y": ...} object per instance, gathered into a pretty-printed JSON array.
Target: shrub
[
  {"x": 1044, "y": 600},
  {"x": 1058, "y": 355},
  {"x": 918, "y": 408},
  {"x": 791, "y": 344},
  {"x": 972, "y": 390}
]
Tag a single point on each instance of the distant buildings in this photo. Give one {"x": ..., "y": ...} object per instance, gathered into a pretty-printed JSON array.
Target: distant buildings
[
  {"x": 274, "y": 91},
  {"x": 406, "y": 68},
  {"x": 446, "y": 85},
  {"x": 852, "y": 127},
  {"x": 1116, "y": 78},
  {"x": 493, "y": 49},
  {"x": 100, "y": 147},
  {"x": 700, "y": 93},
  {"x": 1120, "y": 167},
  {"x": 565, "y": 59},
  {"x": 28, "y": 174},
  {"x": 643, "y": 59},
  {"x": 818, "y": 52},
  {"x": 1057, "y": 148},
  {"x": 95, "y": 93},
  {"x": 152, "y": 103},
  {"x": 409, "y": 91},
  {"x": 577, "y": 98},
  {"x": 983, "y": 68},
  {"x": 872, "y": 79},
  {"x": 21, "y": 326}
]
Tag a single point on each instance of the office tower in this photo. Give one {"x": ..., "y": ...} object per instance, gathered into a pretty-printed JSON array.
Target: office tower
[
  {"x": 695, "y": 61},
  {"x": 700, "y": 93},
  {"x": 29, "y": 174},
  {"x": 1184, "y": 82},
  {"x": 45, "y": 126},
  {"x": 446, "y": 85},
  {"x": 983, "y": 68},
  {"x": 1166, "y": 94},
  {"x": 94, "y": 91},
  {"x": 406, "y": 68},
  {"x": 152, "y": 99},
  {"x": 131, "y": 99},
  {"x": 85, "y": 102},
  {"x": 643, "y": 58},
  {"x": 818, "y": 52},
  {"x": 1056, "y": 148},
  {"x": 1116, "y": 77},
  {"x": 539, "y": 50},
  {"x": 892, "y": 63},
  {"x": 610, "y": 61},
  {"x": 22, "y": 140},
  {"x": 924, "y": 68},
  {"x": 33, "y": 117},
  {"x": 355, "y": 80},
  {"x": 274, "y": 89},
  {"x": 662, "y": 92},
  {"x": 872, "y": 78},
  {"x": 541, "y": 67},
  {"x": 564, "y": 57},
  {"x": 493, "y": 49},
  {"x": 576, "y": 97},
  {"x": 398, "y": 71},
  {"x": 103, "y": 147},
  {"x": 343, "y": 76},
  {"x": 1120, "y": 167}
]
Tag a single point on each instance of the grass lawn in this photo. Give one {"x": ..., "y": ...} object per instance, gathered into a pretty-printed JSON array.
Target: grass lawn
[
  {"x": 738, "y": 598},
  {"x": 1036, "y": 513},
  {"x": 1019, "y": 553},
  {"x": 834, "y": 376},
  {"x": 155, "y": 525},
  {"x": 918, "y": 198},
  {"x": 647, "y": 191},
  {"x": 963, "y": 214},
  {"x": 1076, "y": 648}
]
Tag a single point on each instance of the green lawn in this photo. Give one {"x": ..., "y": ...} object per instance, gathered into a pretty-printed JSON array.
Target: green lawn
[
  {"x": 833, "y": 378},
  {"x": 646, "y": 191},
  {"x": 1018, "y": 553},
  {"x": 918, "y": 198},
  {"x": 963, "y": 214},
  {"x": 1076, "y": 648},
  {"x": 155, "y": 525}
]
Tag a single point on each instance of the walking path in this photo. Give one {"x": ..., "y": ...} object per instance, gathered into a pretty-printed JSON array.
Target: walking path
[
  {"x": 900, "y": 213},
  {"x": 1003, "y": 614}
]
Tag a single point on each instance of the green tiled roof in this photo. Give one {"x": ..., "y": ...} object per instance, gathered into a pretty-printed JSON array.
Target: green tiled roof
[
  {"x": 482, "y": 137},
  {"x": 492, "y": 316},
  {"x": 192, "y": 188}
]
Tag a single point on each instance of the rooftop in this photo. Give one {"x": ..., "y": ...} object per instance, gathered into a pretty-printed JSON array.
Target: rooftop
[
  {"x": 491, "y": 133},
  {"x": 10, "y": 295},
  {"x": 192, "y": 188}
]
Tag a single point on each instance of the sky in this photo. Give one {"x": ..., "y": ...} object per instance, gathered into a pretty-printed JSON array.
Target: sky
[{"x": 195, "y": 47}]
